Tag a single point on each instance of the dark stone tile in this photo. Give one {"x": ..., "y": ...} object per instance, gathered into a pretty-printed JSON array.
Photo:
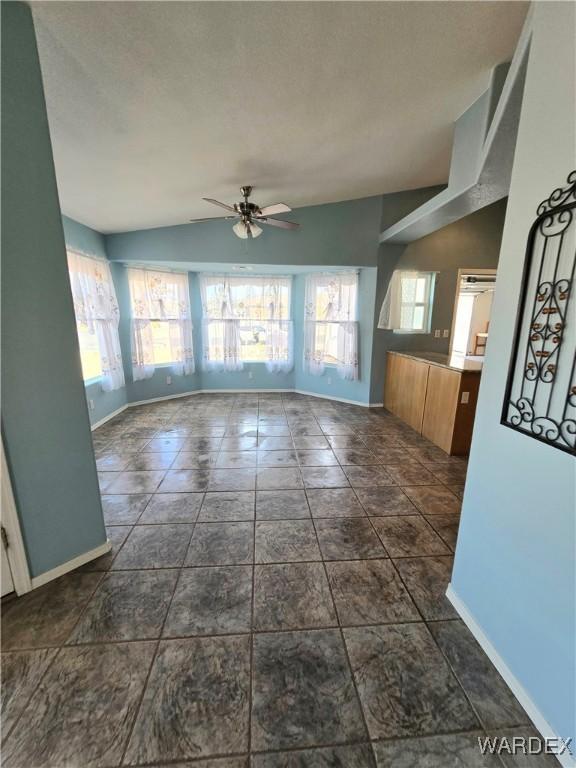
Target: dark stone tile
[
  {"x": 123, "y": 509},
  {"x": 204, "y": 444},
  {"x": 106, "y": 480},
  {"x": 275, "y": 443},
  {"x": 136, "y": 482},
  {"x": 117, "y": 535},
  {"x": 147, "y": 461},
  {"x": 184, "y": 481},
  {"x": 384, "y": 501},
  {"x": 318, "y": 458},
  {"x": 411, "y": 474},
  {"x": 274, "y": 430},
  {"x": 324, "y": 477},
  {"x": 369, "y": 592},
  {"x": 427, "y": 579},
  {"x": 84, "y": 706},
  {"x": 494, "y": 702},
  {"x": 345, "y": 441},
  {"x": 46, "y": 616},
  {"x": 346, "y": 756},
  {"x": 195, "y": 460},
  {"x": 408, "y": 535},
  {"x": 355, "y": 456},
  {"x": 281, "y": 505},
  {"x": 310, "y": 442},
  {"x": 239, "y": 444},
  {"x": 217, "y": 762},
  {"x": 113, "y": 462},
  {"x": 164, "y": 445},
  {"x": 196, "y": 701},
  {"x": 453, "y": 751},
  {"x": 236, "y": 459},
  {"x": 292, "y": 596},
  {"x": 22, "y": 672},
  {"x": 334, "y": 502},
  {"x": 273, "y": 478},
  {"x": 368, "y": 477},
  {"x": 227, "y": 506},
  {"x": 286, "y": 541},
  {"x": 388, "y": 454},
  {"x": 446, "y": 526},
  {"x": 221, "y": 544},
  {"x": 277, "y": 459},
  {"x": 457, "y": 489},
  {"x": 172, "y": 508},
  {"x": 348, "y": 539},
  {"x": 127, "y": 606},
  {"x": 449, "y": 474},
  {"x": 303, "y": 694},
  {"x": 429, "y": 455},
  {"x": 211, "y": 601},
  {"x": 433, "y": 500},
  {"x": 232, "y": 480},
  {"x": 405, "y": 685},
  {"x": 154, "y": 546}
]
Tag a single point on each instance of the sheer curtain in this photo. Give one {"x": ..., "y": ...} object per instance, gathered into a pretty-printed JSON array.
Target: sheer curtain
[
  {"x": 161, "y": 322},
  {"x": 246, "y": 319},
  {"x": 330, "y": 324},
  {"x": 95, "y": 305}
]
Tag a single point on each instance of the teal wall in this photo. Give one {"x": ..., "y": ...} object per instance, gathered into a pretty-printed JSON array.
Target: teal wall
[
  {"x": 515, "y": 565},
  {"x": 472, "y": 242},
  {"x": 45, "y": 423}
]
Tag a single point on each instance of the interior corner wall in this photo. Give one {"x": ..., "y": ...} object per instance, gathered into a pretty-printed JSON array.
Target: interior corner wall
[
  {"x": 472, "y": 242},
  {"x": 515, "y": 563},
  {"x": 45, "y": 423}
]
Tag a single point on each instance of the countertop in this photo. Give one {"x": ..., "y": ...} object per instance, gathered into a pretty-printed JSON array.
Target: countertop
[{"x": 454, "y": 362}]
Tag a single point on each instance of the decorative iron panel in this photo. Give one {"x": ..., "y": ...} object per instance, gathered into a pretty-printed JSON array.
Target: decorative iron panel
[{"x": 540, "y": 399}]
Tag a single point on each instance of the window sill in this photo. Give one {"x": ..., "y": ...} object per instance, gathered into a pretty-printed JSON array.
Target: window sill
[{"x": 93, "y": 380}]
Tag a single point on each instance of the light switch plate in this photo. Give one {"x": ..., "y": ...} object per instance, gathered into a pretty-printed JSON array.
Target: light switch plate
[
  {"x": 465, "y": 398},
  {"x": 446, "y": 333},
  {"x": 437, "y": 334},
  {"x": 168, "y": 379}
]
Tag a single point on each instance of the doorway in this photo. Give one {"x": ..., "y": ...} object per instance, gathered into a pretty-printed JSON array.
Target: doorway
[{"x": 472, "y": 309}]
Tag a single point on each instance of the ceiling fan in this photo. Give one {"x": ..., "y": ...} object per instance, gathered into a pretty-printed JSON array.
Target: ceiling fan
[{"x": 250, "y": 215}]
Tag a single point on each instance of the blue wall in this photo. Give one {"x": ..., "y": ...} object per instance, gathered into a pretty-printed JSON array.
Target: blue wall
[
  {"x": 45, "y": 424},
  {"x": 515, "y": 566}
]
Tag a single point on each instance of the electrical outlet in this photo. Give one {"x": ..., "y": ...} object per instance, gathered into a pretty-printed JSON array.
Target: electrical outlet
[
  {"x": 437, "y": 334},
  {"x": 249, "y": 374},
  {"x": 168, "y": 379},
  {"x": 465, "y": 398},
  {"x": 91, "y": 404},
  {"x": 446, "y": 333},
  {"x": 329, "y": 380}
]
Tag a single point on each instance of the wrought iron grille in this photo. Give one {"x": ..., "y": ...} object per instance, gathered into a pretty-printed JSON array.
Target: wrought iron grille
[{"x": 540, "y": 399}]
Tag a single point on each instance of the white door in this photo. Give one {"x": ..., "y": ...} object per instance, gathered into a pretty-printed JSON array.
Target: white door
[{"x": 7, "y": 584}]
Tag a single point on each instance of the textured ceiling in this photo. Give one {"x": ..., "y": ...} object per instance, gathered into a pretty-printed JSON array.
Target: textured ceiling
[{"x": 153, "y": 105}]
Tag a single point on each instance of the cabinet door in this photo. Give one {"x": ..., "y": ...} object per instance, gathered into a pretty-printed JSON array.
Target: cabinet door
[
  {"x": 405, "y": 390},
  {"x": 441, "y": 405}
]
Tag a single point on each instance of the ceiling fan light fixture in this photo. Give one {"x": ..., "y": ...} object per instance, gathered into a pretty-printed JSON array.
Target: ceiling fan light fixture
[{"x": 241, "y": 230}]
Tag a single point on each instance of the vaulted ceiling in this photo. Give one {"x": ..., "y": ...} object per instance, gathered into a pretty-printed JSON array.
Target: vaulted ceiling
[{"x": 154, "y": 105}]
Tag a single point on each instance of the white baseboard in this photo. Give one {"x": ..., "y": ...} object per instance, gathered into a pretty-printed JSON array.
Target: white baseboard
[
  {"x": 108, "y": 417},
  {"x": 540, "y": 722},
  {"x": 70, "y": 565}
]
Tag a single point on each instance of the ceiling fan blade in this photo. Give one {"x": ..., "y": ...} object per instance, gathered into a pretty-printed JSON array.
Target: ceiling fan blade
[
  {"x": 222, "y": 205},
  {"x": 275, "y": 209},
  {"x": 278, "y": 223},
  {"x": 213, "y": 218}
]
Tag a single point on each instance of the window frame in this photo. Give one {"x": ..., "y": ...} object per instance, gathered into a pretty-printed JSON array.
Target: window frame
[{"x": 427, "y": 304}]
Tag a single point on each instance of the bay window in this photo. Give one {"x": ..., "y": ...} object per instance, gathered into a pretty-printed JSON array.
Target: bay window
[
  {"x": 161, "y": 322},
  {"x": 97, "y": 319},
  {"x": 331, "y": 327},
  {"x": 246, "y": 319}
]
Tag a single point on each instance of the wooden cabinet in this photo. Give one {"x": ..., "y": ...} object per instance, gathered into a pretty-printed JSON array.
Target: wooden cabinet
[{"x": 437, "y": 401}]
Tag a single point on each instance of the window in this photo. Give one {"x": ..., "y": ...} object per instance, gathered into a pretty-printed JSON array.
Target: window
[
  {"x": 97, "y": 318},
  {"x": 246, "y": 319},
  {"x": 161, "y": 323},
  {"x": 407, "y": 306},
  {"x": 331, "y": 328}
]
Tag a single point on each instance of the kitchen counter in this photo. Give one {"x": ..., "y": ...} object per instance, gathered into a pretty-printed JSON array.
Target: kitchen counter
[{"x": 454, "y": 362}]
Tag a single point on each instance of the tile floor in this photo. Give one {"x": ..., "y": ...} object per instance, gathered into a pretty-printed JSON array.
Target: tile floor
[{"x": 274, "y": 598}]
